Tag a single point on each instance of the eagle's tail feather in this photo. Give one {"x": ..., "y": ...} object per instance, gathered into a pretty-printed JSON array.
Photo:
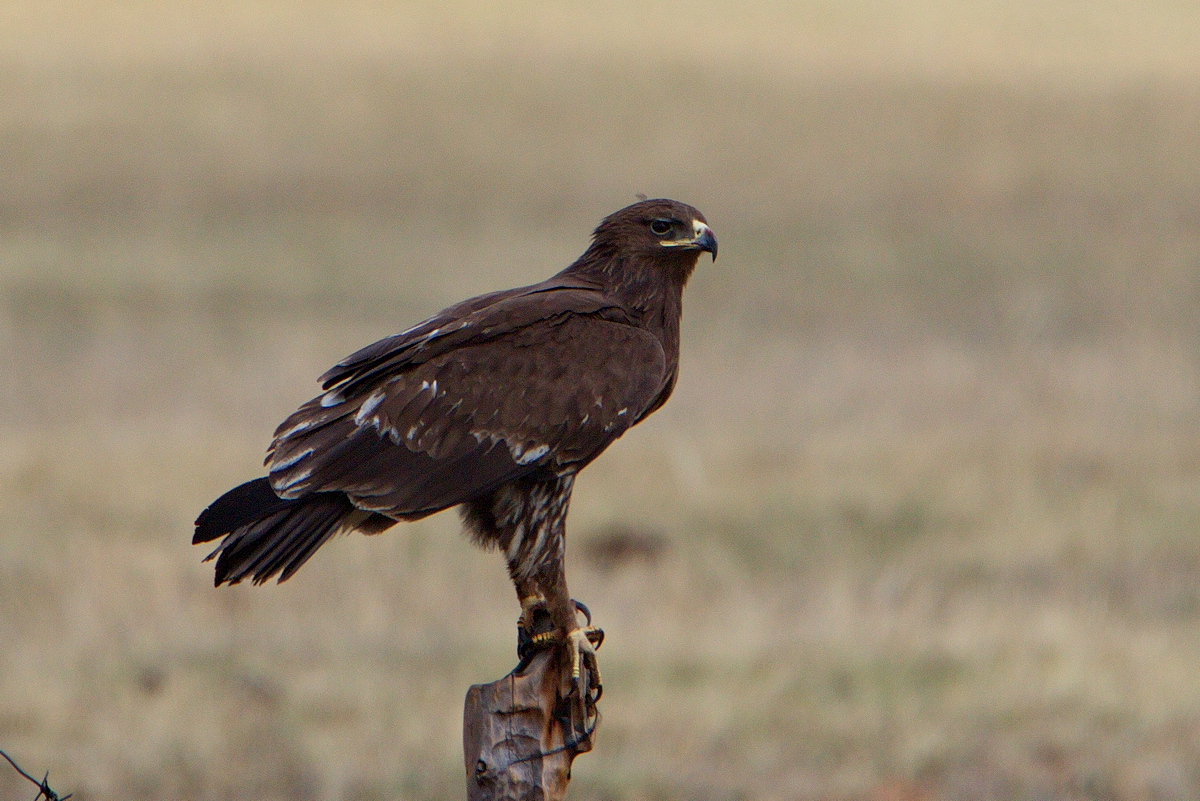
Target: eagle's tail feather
[{"x": 266, "y": 535}]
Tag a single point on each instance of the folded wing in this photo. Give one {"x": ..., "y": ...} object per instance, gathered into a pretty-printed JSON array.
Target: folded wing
[{"x": 463, "y": 403}]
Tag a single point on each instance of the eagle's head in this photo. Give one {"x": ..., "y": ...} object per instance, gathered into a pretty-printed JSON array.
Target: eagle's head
[{"x": 660, "y": 230}]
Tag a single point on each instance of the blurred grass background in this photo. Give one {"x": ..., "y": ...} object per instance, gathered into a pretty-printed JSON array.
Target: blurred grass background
[{"x": 919, "y": 523}]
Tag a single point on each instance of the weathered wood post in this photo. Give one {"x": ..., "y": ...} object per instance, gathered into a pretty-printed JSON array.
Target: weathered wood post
[{"x": 522, "y": 732}]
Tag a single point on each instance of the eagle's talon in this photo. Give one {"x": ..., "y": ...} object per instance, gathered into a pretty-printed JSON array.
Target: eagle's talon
[
  {"x": 582, "y": 607},
  {"x": 595, "y": 636},
  {"x": 583, "y": 661}
]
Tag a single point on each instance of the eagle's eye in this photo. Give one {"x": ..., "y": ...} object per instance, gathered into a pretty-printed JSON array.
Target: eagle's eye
[{"x": 660, "y": 227}]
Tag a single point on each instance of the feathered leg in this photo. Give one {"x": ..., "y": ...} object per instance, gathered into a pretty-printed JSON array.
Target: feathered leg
[{"x": 526, "y": 519}]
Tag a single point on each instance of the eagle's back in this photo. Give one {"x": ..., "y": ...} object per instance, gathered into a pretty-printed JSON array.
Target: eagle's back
[{"x": 538, "y": 379}]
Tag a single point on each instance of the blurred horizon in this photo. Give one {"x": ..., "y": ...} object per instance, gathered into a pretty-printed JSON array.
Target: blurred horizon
[{"x": 918, "y": 523}]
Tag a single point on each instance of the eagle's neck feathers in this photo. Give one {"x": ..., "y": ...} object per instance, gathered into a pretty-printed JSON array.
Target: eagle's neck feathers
[{"x": 650, "y": 289}]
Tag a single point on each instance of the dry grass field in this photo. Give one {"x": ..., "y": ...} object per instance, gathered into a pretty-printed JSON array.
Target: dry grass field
[{"x": 921, "y": 522}]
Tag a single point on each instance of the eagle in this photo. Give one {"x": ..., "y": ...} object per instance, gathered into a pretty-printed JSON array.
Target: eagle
[{"x": 492, "y": 405}]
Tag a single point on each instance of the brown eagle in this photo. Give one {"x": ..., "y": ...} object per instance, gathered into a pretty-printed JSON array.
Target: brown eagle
[{"x": 493, "y": 405}]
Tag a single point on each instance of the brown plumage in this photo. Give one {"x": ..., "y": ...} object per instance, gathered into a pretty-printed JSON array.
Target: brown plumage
[{"x": 493, "y": 404}]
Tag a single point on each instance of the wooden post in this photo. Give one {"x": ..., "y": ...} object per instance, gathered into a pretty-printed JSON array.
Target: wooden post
[{"x": 521, "y": 733}]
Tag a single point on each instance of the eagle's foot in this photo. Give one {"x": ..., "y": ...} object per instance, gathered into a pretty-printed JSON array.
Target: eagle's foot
[
  {"x": 585, "y": 670},
  {"x": 576, "y": 706},
  {"x": 594, "y": 634},
  {"x": 536, "y": 630}
]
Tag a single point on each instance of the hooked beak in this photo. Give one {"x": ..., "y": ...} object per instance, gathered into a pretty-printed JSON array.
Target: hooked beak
[
  {"x": 702, "y": 239},
  {"x": 705, "y": 240}
]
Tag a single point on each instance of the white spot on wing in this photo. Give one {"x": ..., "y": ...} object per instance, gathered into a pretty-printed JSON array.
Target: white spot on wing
[
  {"x": 286, "y": 463},
  {"x": 331, "y": 398},
  {"x": 530, "y": 456},
  {"x": 298, "y": 427},
  {"x": 427, "y": 338},
  {"x": 294, "y": 480},
  {"x": 369, "y": 405}
]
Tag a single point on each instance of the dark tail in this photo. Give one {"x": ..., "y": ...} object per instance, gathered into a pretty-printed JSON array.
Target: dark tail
[{"x": 266, "y": 535}]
